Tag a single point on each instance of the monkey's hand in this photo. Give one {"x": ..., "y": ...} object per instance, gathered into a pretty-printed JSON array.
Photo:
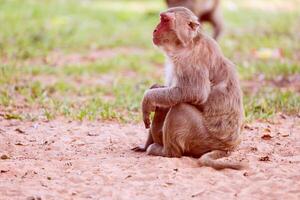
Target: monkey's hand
[{"x": 147, "y": 108}]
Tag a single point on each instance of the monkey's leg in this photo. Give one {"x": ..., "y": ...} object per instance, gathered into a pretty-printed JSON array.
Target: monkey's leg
[
  {"x": 155, "y": 132},
  {"x": 142, "y": 148},
  {"x": 217, "y": 24},
  {"x": 157, "y": 124},
  {"x": 181, "y": 128}
]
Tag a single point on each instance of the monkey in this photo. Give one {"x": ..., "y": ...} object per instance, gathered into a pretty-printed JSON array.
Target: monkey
[
  {"x": 199, "y": 112},
  {"x": 206, "y": 10}
]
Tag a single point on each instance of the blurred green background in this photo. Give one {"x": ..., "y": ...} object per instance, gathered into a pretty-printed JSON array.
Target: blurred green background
[{"x": 93, "y": 59}]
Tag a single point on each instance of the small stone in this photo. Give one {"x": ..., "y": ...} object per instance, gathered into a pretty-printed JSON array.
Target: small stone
[
  {"x": 34, "y": 198},
  {"x": 253, "y": 149},
  {"x": 264, "y": 158},
  {"x": 92, "y": 134}
]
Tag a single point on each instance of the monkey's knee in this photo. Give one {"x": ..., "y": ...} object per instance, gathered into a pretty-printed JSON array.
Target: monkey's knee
[
  {"x": 179, "y": 108},
  {"x": 183, "y": 124},
  {"x": 180, "y": 114}
]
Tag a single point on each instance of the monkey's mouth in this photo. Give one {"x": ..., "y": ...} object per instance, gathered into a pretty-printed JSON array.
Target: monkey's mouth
[{"x": 155, "y": 40}]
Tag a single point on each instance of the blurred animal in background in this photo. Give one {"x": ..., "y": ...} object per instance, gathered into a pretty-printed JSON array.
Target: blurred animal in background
[
  {"x": 199, "y": 111},
  {"x": 206, "y": 10}
]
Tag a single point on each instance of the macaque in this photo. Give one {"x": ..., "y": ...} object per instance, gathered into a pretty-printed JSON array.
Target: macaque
[
  {"x": 199, "y": 111},
  {"x": 206, "y": 10}
]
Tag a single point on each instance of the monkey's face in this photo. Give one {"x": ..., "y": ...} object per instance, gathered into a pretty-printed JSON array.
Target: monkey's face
[
  {"x": 164, "y": 33},
  {"x": 177, "y": 27}
]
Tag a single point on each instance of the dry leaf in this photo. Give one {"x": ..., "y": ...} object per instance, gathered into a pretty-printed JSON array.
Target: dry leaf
[
  {"x": 19, "y": 130},
  {"x": 248, "y": 127},
  {"x": 268, "y": 53},
  {"x": 267, "y": 130},
  {"x": 20, "y": 144},
  {"x": 266, "y": 137}
]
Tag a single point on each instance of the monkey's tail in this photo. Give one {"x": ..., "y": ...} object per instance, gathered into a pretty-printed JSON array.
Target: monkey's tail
[
  {"x": 215, "y": 5},
  {"x": 210, "y": 159}
]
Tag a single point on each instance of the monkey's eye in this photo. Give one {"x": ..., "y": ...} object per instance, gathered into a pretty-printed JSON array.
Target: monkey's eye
[{"x": 193, "y": 25}]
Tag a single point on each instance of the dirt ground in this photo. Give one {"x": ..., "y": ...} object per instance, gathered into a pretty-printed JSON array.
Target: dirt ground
[{"x": 64, "y": 159}]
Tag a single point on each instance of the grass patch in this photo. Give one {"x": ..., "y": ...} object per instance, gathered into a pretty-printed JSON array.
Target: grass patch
[
  {"x": 269, "y": 101},
  {"x": 269, "y": 69}
]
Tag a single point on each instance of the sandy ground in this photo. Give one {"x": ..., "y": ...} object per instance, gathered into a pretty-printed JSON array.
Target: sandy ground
[{"x": 61, "y": 159}]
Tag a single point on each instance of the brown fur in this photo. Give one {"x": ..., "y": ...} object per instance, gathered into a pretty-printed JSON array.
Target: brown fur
[
  {"x": 200, "y": 111},
  {"x": 206, "y": 10}
]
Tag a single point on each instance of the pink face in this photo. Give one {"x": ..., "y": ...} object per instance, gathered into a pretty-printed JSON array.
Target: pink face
[{"x": 162, "y": 29}]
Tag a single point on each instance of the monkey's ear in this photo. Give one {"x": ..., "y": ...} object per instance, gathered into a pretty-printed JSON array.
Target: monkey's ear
[
  {"x": 194, "y": 25},
  {"x": 184, "y": 36}
]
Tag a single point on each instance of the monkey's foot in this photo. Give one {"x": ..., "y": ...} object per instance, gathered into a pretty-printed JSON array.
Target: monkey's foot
[
  {"x": 155, "y": 150},
  {"x": 139, "y": 149}
]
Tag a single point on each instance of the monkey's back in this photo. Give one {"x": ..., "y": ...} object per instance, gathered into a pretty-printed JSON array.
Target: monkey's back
[{"x": 223, "y": 111}]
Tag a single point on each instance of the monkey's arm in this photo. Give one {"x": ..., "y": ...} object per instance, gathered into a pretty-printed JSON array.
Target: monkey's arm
[{"x": 168, "y": 97}]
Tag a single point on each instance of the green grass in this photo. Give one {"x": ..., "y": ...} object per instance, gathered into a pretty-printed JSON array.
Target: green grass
[
  {"x": 111, "y": 87},
  {"x": 270, "y": 69},
  {"x": 32, "y": 28},
  {"x": 269, "y": 101}
]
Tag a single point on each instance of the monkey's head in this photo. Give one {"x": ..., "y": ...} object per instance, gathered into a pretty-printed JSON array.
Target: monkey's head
[{"x": 177, "y": 27}]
